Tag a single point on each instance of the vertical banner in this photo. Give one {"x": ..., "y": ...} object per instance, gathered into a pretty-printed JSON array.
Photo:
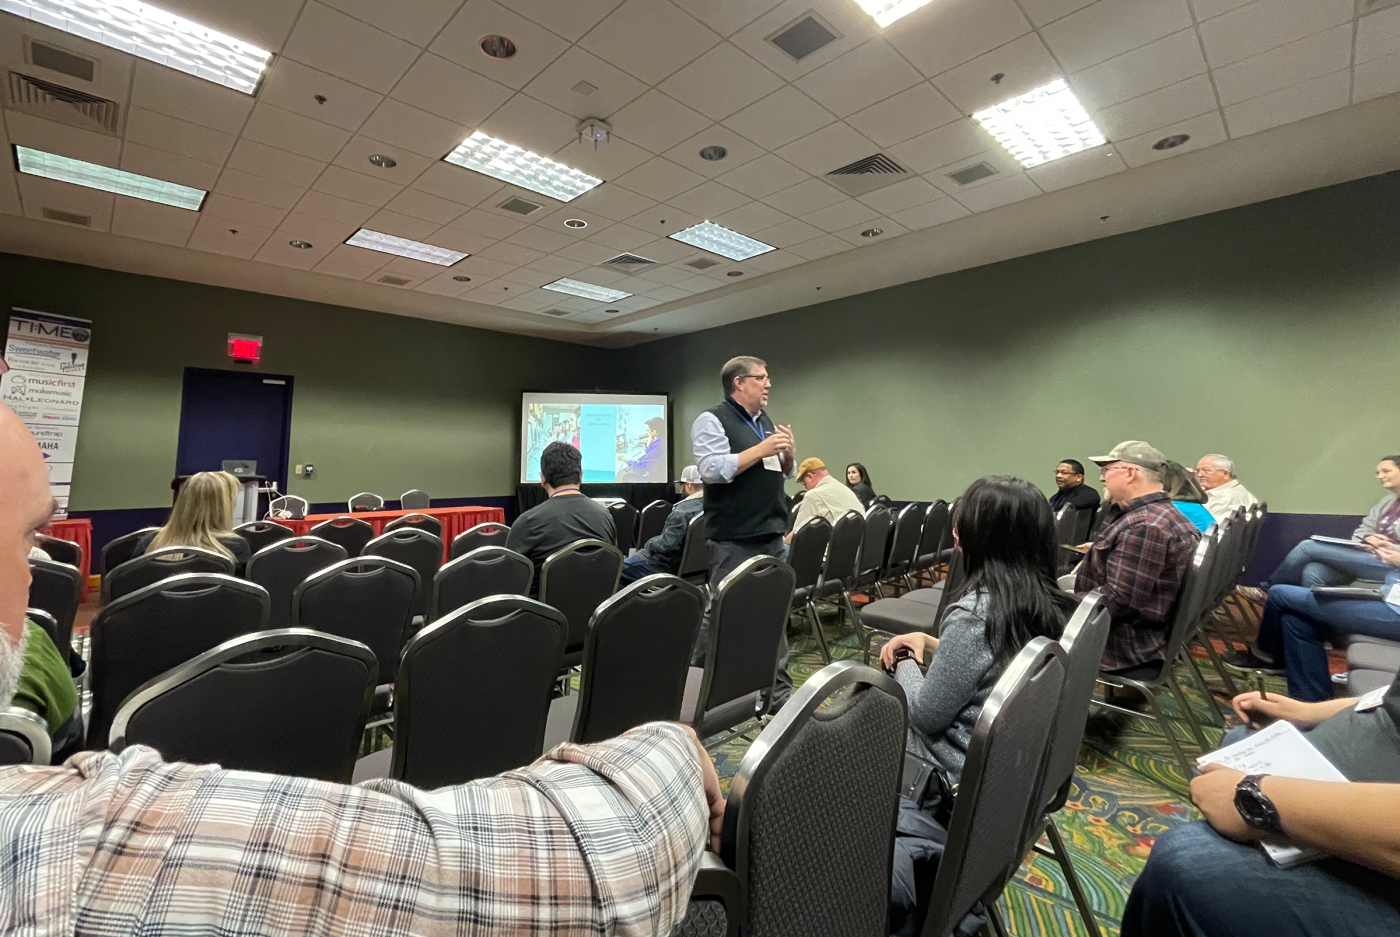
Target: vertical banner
[{"x": 47, "y": 356}]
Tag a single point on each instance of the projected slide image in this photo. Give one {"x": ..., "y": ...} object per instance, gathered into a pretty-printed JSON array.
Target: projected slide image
[{"x": 621, "y": 438}]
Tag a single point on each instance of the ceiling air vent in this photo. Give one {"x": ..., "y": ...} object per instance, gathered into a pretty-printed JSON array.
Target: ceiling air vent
[
  {"x": 55, "y": 102},
  {"x": 519, "y": 206},
  {"x": 867, "y": 175},
  {"x": 62, "y": 61},
  {"x": 703, "y": 263},
  {"x": 628, "y": 262},
  {"x": 970, "y": 174},
  {"x": 67, "y": 217},
  {"x": 802, "y": 38},
  {"x": 395, "y": 281},
  {"x": 555, "y": 312}
]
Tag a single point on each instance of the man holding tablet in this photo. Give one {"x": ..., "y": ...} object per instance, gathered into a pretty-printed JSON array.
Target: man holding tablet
[{"x": 744, "y": 459}]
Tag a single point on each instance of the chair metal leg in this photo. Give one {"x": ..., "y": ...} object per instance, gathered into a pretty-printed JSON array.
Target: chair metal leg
[
  {"x": 1205, "y": 688},
  {"x": 817, "y": 630},
  {"x": 995, "y": 915},
  {"x": 1187, "y": 711},
  {"x": 1061, "y": 855},
  {"x": 859, "y": 626},
  {"x": 1170, "y": 733},
  {"x": 1219, "y": 665}
]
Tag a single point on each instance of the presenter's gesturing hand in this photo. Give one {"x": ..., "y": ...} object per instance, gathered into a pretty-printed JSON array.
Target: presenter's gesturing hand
[{"x": 778, "y": 443}]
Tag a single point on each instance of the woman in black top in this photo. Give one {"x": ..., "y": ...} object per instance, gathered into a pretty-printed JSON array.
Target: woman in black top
[
  {"x": 858, "y": 480},
  {"x": 202, "y": 517}
]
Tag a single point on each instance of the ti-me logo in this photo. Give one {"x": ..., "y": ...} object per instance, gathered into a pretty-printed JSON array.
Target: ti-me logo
[{"x": 59, "y": 330}]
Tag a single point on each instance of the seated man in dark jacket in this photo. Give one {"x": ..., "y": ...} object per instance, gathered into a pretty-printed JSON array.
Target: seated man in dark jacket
[
  {"x": 565, "y": 517},
  {"x": 662, "y": 553}
]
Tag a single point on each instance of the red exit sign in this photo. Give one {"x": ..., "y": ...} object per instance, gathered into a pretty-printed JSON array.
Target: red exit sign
[{"x": 246, "y": 349}]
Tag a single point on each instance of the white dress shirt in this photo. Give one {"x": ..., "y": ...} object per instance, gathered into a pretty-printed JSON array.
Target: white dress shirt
[{"x": 1224, "y": 500}]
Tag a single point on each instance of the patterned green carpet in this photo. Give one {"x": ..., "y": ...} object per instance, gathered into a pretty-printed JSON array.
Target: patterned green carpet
[{"x": 1128, "y": 789}]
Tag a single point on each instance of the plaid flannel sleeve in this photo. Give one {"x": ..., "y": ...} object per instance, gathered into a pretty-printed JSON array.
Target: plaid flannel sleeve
[{"x": 1138, "y": 576}]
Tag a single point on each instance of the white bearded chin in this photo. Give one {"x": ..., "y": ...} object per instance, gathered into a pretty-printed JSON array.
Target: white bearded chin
[{"x": 11, "y": 663}]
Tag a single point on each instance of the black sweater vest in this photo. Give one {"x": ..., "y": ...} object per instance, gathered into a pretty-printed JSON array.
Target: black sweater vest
[{"x": 751, "y": 506}]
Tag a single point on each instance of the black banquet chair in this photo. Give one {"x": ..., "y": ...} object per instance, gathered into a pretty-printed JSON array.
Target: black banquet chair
[
  {"x": 424, "y": 522},
  {"x": 415, "y": 500},
  {"x": 60, "y": 550},
  {"x": 489, "y": 534},
  {"x": 806, "y": 556},
  {"x": 415, "y": 548},
  {"x": 141, "y": 571},
  {"x": 475, "y": 575},
  {"x": 350, "y": 532},
  {"x": 259, "y": 534},
  {"x": 695, "y": 555},
  {"x": 365, "y": 501},
  {"x": 291, "y": 701},
  {"x": 840, "y": 569},
  {"x": 576, "y": 580},
  {"x": 151, "y": 630},
  {"x": 652, "y": 520},
  {"x": 624, "y": 518},
  {"x": 24, "y": 738},
  {"x": 120, "y": 549},
  {"x": 57, "y": 588},
  {"x": 281, "y": 567},
  {"x": 289, "y": 506},
  {"x": 636, "y": 657}
]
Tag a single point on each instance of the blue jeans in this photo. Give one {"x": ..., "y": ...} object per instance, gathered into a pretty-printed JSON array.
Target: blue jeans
[
  {"x": 1296, "y": 622},
  {"x": 634, "y": 568},
  {"x": 1325, "y": 564},
  {"x": 1197, "y": 883}
]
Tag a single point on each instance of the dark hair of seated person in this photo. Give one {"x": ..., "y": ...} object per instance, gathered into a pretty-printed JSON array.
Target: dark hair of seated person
[
  {"x": 1074, "y": 464},
  {"x": 1006, "y": 531},
  {"x": 561, "y": 464}
]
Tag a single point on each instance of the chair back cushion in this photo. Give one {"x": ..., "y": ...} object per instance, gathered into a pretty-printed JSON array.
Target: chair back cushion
[
  {"x": 350, "y": 532},
  {"x": 282, "y": 566},
  {"x": 748, "y": 615},
  {"x": 652, "y": 521},
  {"x": 625, "y": 523},
  {"x": 60, "y": 550},
  {"x": 807, "y": 552},
  {"x": 843, "y": 556},
  {"x": 1083, "y": 640},
  {"x": 489, "y": 534},
  {"x": 576, "y": 580},
  {"x": 120, "y": 549},
  {"x": 415, "y": 547},
  {"x": 475, "y": 575},
  {"x": 415, "y": 500},
  {"x": 907, "y": 529},
  {"x": 261, "y": 534},
  {"x": 368, "y": 599},
  {"x": 156, "y": 565},
  {"x": 878, "y": 522},
  {"x": 57, "y": 588},
  {"x": 424, "y": 522}
]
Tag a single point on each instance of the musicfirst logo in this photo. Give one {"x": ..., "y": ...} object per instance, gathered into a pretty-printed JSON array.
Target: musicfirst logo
[{"x": 25, "y": 381}]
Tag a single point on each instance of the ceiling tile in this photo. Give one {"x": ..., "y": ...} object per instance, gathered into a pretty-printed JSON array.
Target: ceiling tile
[
  {"x": 1206, "y": 9},
  {"x": 763, "y": 176},
  {"x": 907, "y": 114},
  {"x": 1112, "y": 27},
  {"x": 9, "y": 195},
  {"x": 295, "y": 87},
  {"x": 495, "y": 205},
  {"x": 512, "y": 254},
  {"x": 356, "y": 186},
  {"x": 288, "y": 131},
  {"x": 780, "y": 118},
  {"x": 323, "y": 236},
  {"x": 1290, "y": 104},
  {"x": 901, "y": 195},
  {"x": 998, "y": 193},
  {"x": 649, "y": 39},
  {"x": 829, "y": 148},
  {"x": 354, "y": 263},
  {"x": 332, "y": 42},
  {"x": 887, "y": 227},
  {"x": 226, "y": 208},
  {"x": 1083, "y": 166},
  {"x": 608, "y": 161},
  {"x": 556, "y": 266},
  {"x": 457, "y": 184},
  {"x": 788, "y": 233},
  {"x": 257, "y": 189},
  {"x": 850, "y": 23},
  {"x": 540, "y": 239},
  {"x": 721, "y": 82},
  {"x": 663, "y": 220},
  {"x": 737, "y": 151},
  {"x": 1265, "y": 24},
  {"x": 666, "y": 250},
  {"x": 945, "y": 34},
  {"x": 334, "y": 208},
  {"x": 611, "y": 87},
  {"x": 161, "y": 165},
  {"x": 660, "y": 179},
  {"x": 657, "y": 122},
  {"x": 1378, "y": 35},
  {"x": 725, "y": 16},
  {"x": 1157, "y": 109},
  {"x": 667, "y": 294},
  {"x": 841, "y": 215},
  {"x": 1025, "y": 63},
  {"x": 413, "y": 129},
  {"x": 697, "y": 284},
  {"x": 1047, "y": 11},
  {"x": 407, "y": 166},
  {"x": 460, "y": 41},
  {"x": 175, "y": 136},
  {"x": 418, "y": 22},
  {"x": 1318, "y": 55},
  {"x": 483, "y": 268},
  {"x": 418, "y": 269},
  {"x": 709, "y": 200},
  {"x": 1158, "y": 64},
  {"x": 554, "y": 221},
  {"x": 484, "y": 223},
  {"x": 866, "y": 74},
  {"x": 36, "y": 194},
  {"x": 264, "y": 23},
  {"x": 997, "y": 159},
  {"x": 612, "y": 202},
  {"x": 218, "y": 236},
  {"x": 604, "y": 276},
  {"x": 148, "y": 221},
  {"x": 458, "y": 240},
  {"x": 804, "y": 197},
  {"x": 53, "y": 137},
  {"x": 942, "y": 146},
  {"x": 404, "y": 226},
  {"x": 1376, "y": 78},
  {"x": 932, "y": 213},
  {"x": 524, "y": 122},
  {"x": 262, "y": 160},
  {"x": 666, "y": 275},
  {"x": 527, "y": 277},
  {"x": 1205, "y": 130},
  {"x": 175, "y": 94},
  {"x": 634, "y": 304},
  {"x": 774, "y": 261},
  {"x": 622, "y": 237},
  {"x": 443, "y": 285},
  {"x": 755, "y": 216},
  {"x": 570, "y": 20},
  {"x": 823, "y": 246},
  {"x": 450, "y": 91}
]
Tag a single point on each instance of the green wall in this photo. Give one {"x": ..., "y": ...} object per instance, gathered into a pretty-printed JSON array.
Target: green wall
[
  {"x": 380, "y": 403},
  {"x": 1267, "y": 332}
]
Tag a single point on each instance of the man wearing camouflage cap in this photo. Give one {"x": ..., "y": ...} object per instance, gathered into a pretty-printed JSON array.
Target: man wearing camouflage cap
[{"x": 1139, "y": 555}]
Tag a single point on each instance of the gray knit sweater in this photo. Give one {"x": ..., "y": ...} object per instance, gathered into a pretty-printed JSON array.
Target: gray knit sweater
[{"x": 944, "y": 703}]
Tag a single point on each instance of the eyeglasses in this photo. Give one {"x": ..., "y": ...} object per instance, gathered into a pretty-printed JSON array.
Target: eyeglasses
[{"x": 753, "y": 377}]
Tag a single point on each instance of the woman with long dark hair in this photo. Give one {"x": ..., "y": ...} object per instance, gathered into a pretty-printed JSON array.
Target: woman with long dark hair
[{"x": 858, "y": 480}]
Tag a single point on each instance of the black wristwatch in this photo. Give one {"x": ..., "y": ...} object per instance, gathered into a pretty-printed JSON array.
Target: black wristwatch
[
  {"x": 900, "y": 656},
  {"x": 1256, "y": 809}
]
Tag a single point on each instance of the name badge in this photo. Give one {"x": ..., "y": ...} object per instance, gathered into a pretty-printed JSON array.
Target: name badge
[
  {"x": 773, "y": 464},
  {"x": 1371, "y": 700}
]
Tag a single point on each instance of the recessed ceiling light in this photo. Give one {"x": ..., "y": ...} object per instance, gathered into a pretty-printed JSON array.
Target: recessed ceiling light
[
  {"x": 1171, "y": 142},
  {"x": 403, "y": 247},
  {"x": 887, "y": 11},
  {"x": 586, "y": 290},
  {"x": 575, "y": 223},
  {"x": 720, "y": 240},
  {"x": 106, "y": 179},
  {"x": 872, "y": 232},
  {"x": 498, "y": 47},
  {"x": 463, "y": 279},
  {"x": 1041, "y": 125},
  {"x": 500, "y": 160},
  {"x": 714, "y": 153},
  {"x": 301, "y": 245},
  {"x": 383, "y": 161},
  {"x": 735, "y": 273},
  {"x": 612, "y": 312},
  {"x": 154, "y": 35}
]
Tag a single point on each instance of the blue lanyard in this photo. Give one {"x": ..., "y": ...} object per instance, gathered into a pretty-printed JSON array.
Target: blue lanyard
[{"x": 754, "y": 422}]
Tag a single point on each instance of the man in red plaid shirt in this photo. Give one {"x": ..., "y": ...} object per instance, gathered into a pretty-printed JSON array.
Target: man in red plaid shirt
[{"x": 1139, "y": 556}]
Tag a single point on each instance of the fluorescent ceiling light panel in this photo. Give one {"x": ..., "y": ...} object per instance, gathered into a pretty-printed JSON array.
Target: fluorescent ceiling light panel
[
  {"x": 586, "y": 290},
  {"x": 1042, "y": 125},
  {"x": 884, "y": 11},
  {"x": 500, "y": 160},
  {"x": 152, "y": 34},
  {"x": 403, "y": 247},
  {"x": 93, "y": 176},
  {"x": 720, "y": 240}
]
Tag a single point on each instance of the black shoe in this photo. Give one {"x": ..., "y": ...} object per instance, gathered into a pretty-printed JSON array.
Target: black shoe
[{"x": 1249, "y": 660}]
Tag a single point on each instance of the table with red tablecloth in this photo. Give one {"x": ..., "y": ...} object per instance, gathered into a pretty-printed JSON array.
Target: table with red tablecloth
[
  {"x": 78, "y": 530},
  {"x": 454, "y": 520}
]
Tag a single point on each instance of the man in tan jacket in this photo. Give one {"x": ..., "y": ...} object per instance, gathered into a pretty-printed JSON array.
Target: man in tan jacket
[{"x": 826, "y": 497}]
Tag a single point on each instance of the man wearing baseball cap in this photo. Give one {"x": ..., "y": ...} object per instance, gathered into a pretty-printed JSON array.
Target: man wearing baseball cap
[
  {"x": 826, "y": 497},
  {"x": 1139, "y": 555},
  {"x": 662, "y": 553}
]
